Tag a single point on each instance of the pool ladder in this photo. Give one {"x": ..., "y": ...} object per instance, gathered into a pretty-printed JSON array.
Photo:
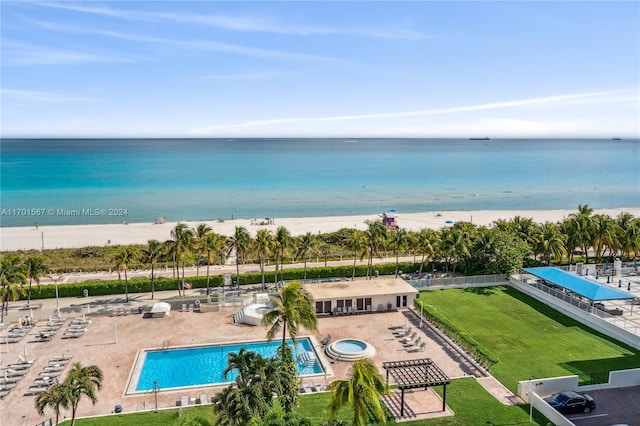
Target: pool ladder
[{"x": 165, "y": 346}]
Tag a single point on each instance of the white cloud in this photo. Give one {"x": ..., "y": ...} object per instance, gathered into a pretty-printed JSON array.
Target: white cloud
[
  {"x": 245, "y": 23},
  {"x": 244, "y": 75},
  {"x": 548, "y": 100},
  {"x": 41, "y": 97},
  {"x": 20, "y": 53}
]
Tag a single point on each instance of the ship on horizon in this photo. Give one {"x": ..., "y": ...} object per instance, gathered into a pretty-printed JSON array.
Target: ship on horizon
[{"x": 486, "y": 138}]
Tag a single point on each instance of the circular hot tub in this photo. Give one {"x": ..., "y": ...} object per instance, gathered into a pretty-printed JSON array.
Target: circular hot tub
[{"x": 349, "y": 350}]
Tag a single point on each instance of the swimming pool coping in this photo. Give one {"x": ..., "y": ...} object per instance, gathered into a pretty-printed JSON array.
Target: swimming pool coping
[{"x": 136, "y": 369}]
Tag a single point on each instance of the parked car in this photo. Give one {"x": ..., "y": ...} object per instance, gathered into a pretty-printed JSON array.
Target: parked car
[{"x": 568, "y": 402}]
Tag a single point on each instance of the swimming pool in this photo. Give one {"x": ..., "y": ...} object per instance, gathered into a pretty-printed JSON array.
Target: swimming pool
[{"x": 204, "y": 365}]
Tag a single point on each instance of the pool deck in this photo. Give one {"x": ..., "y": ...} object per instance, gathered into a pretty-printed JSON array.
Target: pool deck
[{"x": 112, "y": 344}]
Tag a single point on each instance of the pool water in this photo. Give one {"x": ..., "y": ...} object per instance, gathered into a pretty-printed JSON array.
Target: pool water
[
  {"x": 350, "y": 346},
  {"x": 204, "y": 365}
]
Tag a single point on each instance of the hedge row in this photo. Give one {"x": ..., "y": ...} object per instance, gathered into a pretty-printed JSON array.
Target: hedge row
[
  {"x": 325, "y": 272},
  {"x": 102, "y": 288},
  {"x": 143, "y": 284},
  {"x": 468, "y": 343}
]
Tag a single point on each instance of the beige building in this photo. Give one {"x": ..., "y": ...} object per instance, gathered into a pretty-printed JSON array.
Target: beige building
[{"x": 361, "y": 295}]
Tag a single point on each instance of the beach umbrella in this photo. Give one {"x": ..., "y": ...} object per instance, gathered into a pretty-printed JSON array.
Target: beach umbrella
[{"x": 629, "y": 286}]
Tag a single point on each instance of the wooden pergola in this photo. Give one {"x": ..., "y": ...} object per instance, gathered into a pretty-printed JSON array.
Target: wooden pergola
[{"x": 417, "y": 373}]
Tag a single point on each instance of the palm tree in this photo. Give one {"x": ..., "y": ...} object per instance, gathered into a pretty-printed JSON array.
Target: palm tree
[
  {"x": 356, "y": 242},
  {"x": 375, "y": 237},
  {"x": 552, "y": 242},
  {"x": 56, "y": 396},
  {"x": 214, "y": 243},
  {"x": 82, "y": 381},
  {"x": 292, "y": 307},
  {"x": 426, "y": 242},
  {"x": 264, "y": 243},
  {"x": 362, "y": 391},
  {"x": 12, "y": 279},
  {"x": 35, "y": 269},
  {"x": 307, "y": 243},
  {"x": 240, "y": 241},
  {"x": 255, "y": 384},
  {"x": 283, "y": 243},
  {"x": 183, "y": 243},
  {"x": 151, "y": 254},
  {"x": 399, "y": 240},
  {"x": 604, "y": 235},
  {"x": 199, "y": 236},
  {"x": 124, "y": 258}
]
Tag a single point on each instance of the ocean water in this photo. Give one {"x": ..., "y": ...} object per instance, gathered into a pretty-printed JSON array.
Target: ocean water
[{"x": 78, "y": 181}]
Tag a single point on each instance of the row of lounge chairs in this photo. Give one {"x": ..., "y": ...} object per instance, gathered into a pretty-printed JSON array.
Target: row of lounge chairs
[
  {"x": 409, "y": 339},
  {"x": 49, "y": 329},
  {"x": 16, "y": 333},
  {"x": 76, "y": 328},
  {"x": 185, "y": 400},
  {"x": 308, "y": 388},
  {"x": 12, "y": 374},
  {"x": 49, "y": 375}
]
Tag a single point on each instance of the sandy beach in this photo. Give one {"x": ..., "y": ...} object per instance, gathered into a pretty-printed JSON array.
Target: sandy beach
[{"x": 69, "y": 236}]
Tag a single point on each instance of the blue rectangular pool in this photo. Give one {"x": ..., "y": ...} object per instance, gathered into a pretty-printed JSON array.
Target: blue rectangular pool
[{"x": 204, "y": 365}]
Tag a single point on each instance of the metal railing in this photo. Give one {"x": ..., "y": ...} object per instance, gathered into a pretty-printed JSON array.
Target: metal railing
[
  {"x": 457, "y": 282},
  {"x": 630, "y": 325}
]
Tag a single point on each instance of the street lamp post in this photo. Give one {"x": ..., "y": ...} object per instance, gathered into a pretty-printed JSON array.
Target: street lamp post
[
  {"x": 420, "y": 313},
  {"x": 155, "y": 393},
  {"x": 55, "y": 279}
]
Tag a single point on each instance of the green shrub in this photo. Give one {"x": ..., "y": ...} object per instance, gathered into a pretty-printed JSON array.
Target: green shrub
[
  {"x": 328, "y": 272},
  {"x": 108, "y": 287}
]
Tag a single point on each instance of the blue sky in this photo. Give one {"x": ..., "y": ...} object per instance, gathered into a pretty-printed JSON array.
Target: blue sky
[{"x": 405, "y": 69}]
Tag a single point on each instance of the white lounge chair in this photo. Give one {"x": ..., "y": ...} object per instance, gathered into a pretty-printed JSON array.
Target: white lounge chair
[
  {"x": 204, "y": 398},
  {"x": 24, "y": 360},
  {"x": 184, "y": 400},
  {"x": 409, "y": 339}
]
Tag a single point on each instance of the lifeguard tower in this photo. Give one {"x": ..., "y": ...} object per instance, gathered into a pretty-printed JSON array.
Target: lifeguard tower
[{"x": 390, "y": 219}]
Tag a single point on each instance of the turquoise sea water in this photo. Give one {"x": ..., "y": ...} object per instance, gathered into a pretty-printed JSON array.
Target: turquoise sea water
[
  {"x": 135, "y": 180},
  {"x": 205, "y": 365}
]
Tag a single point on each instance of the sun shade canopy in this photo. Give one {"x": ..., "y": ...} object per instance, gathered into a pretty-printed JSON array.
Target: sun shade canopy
[{"x": 577, "y": 284}]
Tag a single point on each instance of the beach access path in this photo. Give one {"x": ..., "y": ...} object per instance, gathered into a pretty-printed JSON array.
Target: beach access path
[{"x": 73, "y": 236}]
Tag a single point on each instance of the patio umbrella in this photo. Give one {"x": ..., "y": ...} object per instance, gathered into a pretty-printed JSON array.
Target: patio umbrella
[
  {"x": 629, "y": 286},
  {"x": 608, "y": 279},
  {"x": 619, "y": 283},
  {"x": 597, "y": 276}
]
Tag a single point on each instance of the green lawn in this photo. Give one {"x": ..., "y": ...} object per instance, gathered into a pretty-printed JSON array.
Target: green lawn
[
  {"x": 527, "y": 337},
  {"x": 470, "y": 402}
]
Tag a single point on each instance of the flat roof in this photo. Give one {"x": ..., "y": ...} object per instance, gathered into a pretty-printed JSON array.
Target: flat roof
[
  {"x": 577, "y": 284},
  {"x": 379, "y": 286}
]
